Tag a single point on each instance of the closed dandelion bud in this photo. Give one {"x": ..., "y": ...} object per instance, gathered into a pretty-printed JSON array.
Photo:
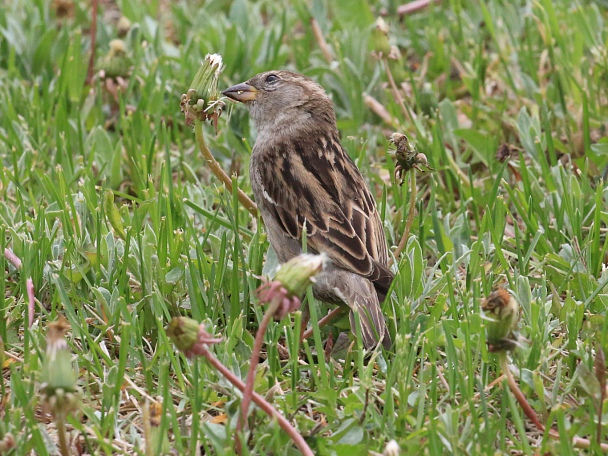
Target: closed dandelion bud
[
  {"x": 290, "y": 283},
  {"x": 183, "y": 332},
  {"x": 379, "y": 39},
  {"x": 296, "y": 274},
  {"x": 58, "y": 375},
  {"x": 502, "y": 314},
  {"x": 428, "y": 99},
  {"x": 57, "y": 370},
  {"x": 123, "y": 26},
  {"x": 116, "y": 63},
  {"x": 190, "y": 336}
]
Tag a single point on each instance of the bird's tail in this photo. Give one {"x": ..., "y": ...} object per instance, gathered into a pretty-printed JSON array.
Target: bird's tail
[{"x": 365, "y": 308}]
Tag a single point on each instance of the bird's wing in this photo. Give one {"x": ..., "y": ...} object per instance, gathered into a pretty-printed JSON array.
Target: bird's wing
[{"x": 320, "y": 187}]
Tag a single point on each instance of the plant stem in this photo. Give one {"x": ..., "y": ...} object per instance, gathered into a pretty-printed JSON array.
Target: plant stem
[
  {"x": 61, "y": 433},
  {"x": 31, "y": 307},
  {"x": 29, "y": 285},
  {"x": 396, "y": 93},
  {"x": 297, "y": 439},
  {"x": 253, "y": 364},
  {"x": 379, "y": 109},
  {"x": 12, "y": 258},
  {"x": 93, "y": 33},
  {"x": 332, "y": 315},
  {"x": 577, "y": 442},
  {"x": 318, "y": 34},
  {"x": 410, "y": 217},
  {"x": 218, "y": 171},
  {"x": 413, "y": 6}
]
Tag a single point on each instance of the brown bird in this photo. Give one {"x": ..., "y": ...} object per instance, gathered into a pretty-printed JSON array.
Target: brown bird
[{"x": 303, "y": 179}]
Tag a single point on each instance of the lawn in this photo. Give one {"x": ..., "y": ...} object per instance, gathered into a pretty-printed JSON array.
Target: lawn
[{"x": 113, "y": 220}]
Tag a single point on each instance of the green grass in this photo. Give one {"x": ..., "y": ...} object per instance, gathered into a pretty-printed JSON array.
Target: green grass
[{"x": 121, "y": 226}]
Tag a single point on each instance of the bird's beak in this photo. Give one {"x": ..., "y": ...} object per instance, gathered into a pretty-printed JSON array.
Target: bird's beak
[{"x": 242, "y": 92}]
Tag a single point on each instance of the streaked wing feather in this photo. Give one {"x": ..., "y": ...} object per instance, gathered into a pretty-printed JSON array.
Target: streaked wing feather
[{"x": 323, "y": 188}]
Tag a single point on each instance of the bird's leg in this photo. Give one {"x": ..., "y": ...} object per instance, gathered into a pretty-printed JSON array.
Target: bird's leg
[{"x": 331, "y": 316}]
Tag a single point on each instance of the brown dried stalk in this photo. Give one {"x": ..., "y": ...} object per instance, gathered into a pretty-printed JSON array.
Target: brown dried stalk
[
  {"x": 318, "y": 34},
  {"x": 378, "y": 108},
  {"x": 218, "y": 171},
  {"x": 93, "y": 33}
]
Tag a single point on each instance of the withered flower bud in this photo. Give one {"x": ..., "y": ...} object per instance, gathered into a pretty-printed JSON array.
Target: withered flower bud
[
  {"x": 7, "y": 443},
  {"x": 406, "y": 156},
  {"x": 123, "y": 26}
]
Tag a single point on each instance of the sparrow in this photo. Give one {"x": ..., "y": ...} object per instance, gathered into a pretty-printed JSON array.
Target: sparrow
[{"x": 305, "y": 183}]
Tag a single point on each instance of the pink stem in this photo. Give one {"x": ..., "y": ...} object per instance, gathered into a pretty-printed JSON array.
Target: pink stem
[
  {"x": 261, "y": 402},
  {"x": 29, "y": 285},
  {"x": 12, "y": 258},
  {"x": 413, "y": 7},
  {"x": 332, "y": 315},
  {"x": 255, "y": 357},
  {"x": 578, "y": 442}
]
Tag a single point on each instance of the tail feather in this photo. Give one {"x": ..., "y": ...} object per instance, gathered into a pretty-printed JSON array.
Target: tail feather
[
  {"x": 338, "y": 286},
  {"x": 371, "y": 321}
]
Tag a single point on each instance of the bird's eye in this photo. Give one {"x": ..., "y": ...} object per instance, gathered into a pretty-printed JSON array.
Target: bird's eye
[{"x": 272, "y": 78}]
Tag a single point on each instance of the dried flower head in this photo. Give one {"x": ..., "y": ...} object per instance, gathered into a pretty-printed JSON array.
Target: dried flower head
[
  {"x": 406, "y": 155},
  {"x": 7, "y": 443},
  {"x": 202, "y": 101},
  {"x": 502, "y": 313}
]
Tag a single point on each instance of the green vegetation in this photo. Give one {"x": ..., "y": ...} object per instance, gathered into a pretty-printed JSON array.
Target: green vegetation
[{"x": 119, "y": 223}]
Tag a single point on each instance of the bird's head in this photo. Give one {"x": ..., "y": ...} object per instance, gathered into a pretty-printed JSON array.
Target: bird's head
[{"x": 283, "y": 100}]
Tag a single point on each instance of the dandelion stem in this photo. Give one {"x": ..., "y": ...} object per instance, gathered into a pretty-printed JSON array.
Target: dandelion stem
[
  {"x": 410, "y": 217},
  {"x": 577, "y": 442},
  {"x": 261, "y": 402},
  {"x": 218, "y": 171},
  {"x": 255, "y": 357},
  {"x": 61, "y": 432}
]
